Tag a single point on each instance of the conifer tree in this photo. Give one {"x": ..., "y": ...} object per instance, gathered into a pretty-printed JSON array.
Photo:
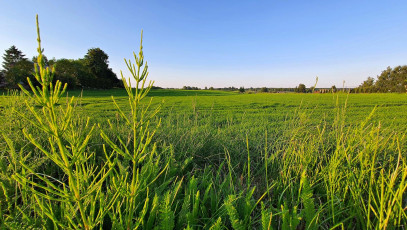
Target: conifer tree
[
  {"x": 2, "y": 80},
  {"x": 11, "y": 57},
  {"x": 16, "y": 68}
]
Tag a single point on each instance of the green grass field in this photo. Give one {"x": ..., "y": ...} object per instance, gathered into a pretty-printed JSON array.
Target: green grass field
[
  {"x": 391, "y": 108},
  {"x": 248, "y": 112},
  {"x": 220, "y": 160}
]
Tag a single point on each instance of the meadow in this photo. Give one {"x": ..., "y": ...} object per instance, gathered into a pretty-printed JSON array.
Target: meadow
[
  {"x": 137, "y": 158},
  {"x": 241, "y": 161}
]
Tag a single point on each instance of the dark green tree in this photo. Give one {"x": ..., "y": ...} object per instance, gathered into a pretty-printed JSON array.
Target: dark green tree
[
  {"x": 67, "y": 71},
  {"x": 264, "y": 90},
  {"x": 11, "y": 57},
  {"x": 18, "y": 73},
  {"x": 2, "y": 79},
  {"x": 85, "y": 77},
  {"x": 16, "y": 68},
  {"x": 301, "y": 88},
  {"x": 97, "y": 62},
  {"x": 52, "y": 61},
  {"x": 333, "y": 89},
  {"x": 368, "y": 86},
  {"x": 241, "y": 89},
  {"x": 392, "y": 80}
]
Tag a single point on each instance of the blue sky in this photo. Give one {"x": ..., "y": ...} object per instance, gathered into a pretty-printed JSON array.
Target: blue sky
[{"x": 221, "y": 43}]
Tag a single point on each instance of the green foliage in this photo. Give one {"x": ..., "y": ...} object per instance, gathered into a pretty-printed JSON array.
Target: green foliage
[
  {"x": 72, "y": 72},
  {"x": 2, "y": 79},
  {"x": 333, "y": 89},
  {"x": 301, "y": 88},
  {"x": 390, "y": 80},
  {"x": 190, "y": 88},
  {"x": 17, "y": 73},
  {"x": 91, "y": 72},
  {"x": 139, "y": 165},
  {"x": 367, "y": 86},
  {"x": 16, "y": 68},
  {"x": 217, "y": 225},
  {"x": 290, "y": 218},
  {"x": 66, "y": 148},
  {"x": 97, "y": 62},
  {"x": 266, "y": 218},
  {"x": 308, "y": 213},
  {"x": 11, "y": 57},
  {"x": 166, "y": 214},
  {"x": 235, "y": 221}
]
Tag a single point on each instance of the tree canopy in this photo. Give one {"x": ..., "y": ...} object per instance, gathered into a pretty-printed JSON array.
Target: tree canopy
[
  {"x": 92, "y": 71},
  {"x": 97, "y": 62},
  {"x": 11, "y": 57},
  {"x": 16, "y": 68},
  {"x": 264, "y": 90},
  {"x": 390, "y": 80},
  {"x": 18, "y": 73},
  {"x": 301, "y": 88}
]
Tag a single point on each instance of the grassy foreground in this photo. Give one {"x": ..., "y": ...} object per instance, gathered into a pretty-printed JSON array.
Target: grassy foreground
[
  {"x": 199, "y": 159},
  {"x": 227, "y": 160}
]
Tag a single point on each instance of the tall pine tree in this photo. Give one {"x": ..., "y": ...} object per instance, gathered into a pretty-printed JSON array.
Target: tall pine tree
[
  {"x": 11, "y": 57},
  {"x": 16, "y": 68},
  {"x": 2, "y": 80}
]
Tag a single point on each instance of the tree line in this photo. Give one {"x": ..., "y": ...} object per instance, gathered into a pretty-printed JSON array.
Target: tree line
[
  {"x": 91, "y": 71},
  {"x": 390, "y": 80}
]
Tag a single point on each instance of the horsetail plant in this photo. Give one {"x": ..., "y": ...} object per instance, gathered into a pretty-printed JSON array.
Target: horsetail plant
[
  {"x": 77, "y": 201},
  {"x": 139, "y": 174}
]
